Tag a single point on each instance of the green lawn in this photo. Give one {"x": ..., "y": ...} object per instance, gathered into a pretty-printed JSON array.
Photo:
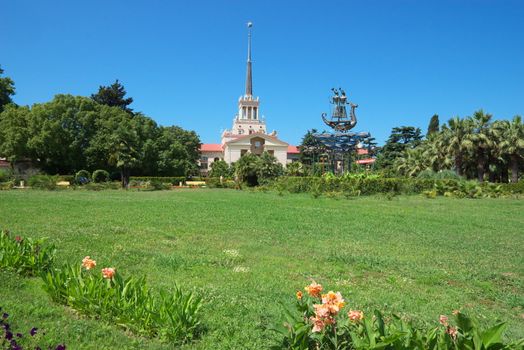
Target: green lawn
[{"x": 414, "y": 256}]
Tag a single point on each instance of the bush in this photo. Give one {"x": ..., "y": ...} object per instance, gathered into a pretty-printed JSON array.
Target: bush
[
  {"x": 82, "y": 177},
  {"x": 5, "y": 175},
  {"x": 174, "y": 180},
  {"x": 102, "y": 186},
  {"x": 24, "y": 255},
  {"x": 128, "y": 302},
  {"x": 45, "y": 182},
  {"x": 7, "y": 185},
  {"x": 100, "y": 176},
  {"x": 321, "y": 322}
]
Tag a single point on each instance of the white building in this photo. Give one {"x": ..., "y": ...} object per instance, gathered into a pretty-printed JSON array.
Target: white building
[{"x": 249, "y": 133}]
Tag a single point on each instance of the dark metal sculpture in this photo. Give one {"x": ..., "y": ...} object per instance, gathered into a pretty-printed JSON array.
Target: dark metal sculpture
[
  {"x": 339, "y": 120},
  {"x": 341, "y": 144}
]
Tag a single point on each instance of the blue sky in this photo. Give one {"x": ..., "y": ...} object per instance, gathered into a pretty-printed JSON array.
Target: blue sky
[{"x": 183, "y": 62}]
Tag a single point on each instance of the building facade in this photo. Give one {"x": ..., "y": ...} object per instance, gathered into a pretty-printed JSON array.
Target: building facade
[{"x": 248, "y": 132}]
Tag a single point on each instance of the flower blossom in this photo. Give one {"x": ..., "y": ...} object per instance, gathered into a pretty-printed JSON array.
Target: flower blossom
[
  {"x": 314, "y": 289},
  {"x": 88, "y": 263},
  {"x": 299, "y": 295},
  {"x": 355, "y": 315},
  {"x": 108, "y": 272},
  {"x": 333, "y": 301},
  {"x": 452, "y": 331},
  {"x": 443, "y": 320}
]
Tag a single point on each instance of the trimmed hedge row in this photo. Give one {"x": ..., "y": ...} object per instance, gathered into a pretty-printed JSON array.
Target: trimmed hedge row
[
  {"x": 368, "y": 186},
  {"x": 174, "y": 180}
]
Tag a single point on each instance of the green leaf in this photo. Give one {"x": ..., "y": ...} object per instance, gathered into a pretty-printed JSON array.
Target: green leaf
[{"x": 493, "y": 335}]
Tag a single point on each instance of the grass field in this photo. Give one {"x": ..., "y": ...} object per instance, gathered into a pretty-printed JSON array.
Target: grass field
[{"x": 414, "y": 256}]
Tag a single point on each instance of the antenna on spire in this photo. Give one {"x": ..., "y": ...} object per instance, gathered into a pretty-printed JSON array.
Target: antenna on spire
[{"x": 249, "y": 82}]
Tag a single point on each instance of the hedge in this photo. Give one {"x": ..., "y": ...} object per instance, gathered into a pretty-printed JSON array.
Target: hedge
[{"x": 174, "y": 180}]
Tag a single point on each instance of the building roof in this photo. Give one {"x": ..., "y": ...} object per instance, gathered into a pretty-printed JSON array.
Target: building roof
[
  {"x": 362, "y": 151},
  {"x": 274, "y": 139},
  {"x": 366, "y": 161},
  {"x": 292, "y": 150},
  {"x": 211, "y": 147}
]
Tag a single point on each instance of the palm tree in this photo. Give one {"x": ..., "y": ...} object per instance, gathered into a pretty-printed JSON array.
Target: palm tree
[
  {"x": 482, "y": 140},
  {"x": 512, "y": 144},
  {"x": 412, "y": 162},
  {"x": 456, "y": 140}
]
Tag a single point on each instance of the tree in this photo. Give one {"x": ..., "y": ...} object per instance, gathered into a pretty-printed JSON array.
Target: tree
[
  {"x": 433, "y": 126},
  {"x": 113, "y": 96},
  {"x": 7, "y": 89},
  {"x": 14, "y": 133},
  {"x": 456, "y": 136},
  {"x": 246, "y": 169},
  {"x": 219, "y": 168},
  {"x": 269, "y": 167},
  {"x": 482, "y": 140},
  {"x": 401, "y": 139},
  {"x": 310, "y": 148},
  {"x": 512, "y": 145}
]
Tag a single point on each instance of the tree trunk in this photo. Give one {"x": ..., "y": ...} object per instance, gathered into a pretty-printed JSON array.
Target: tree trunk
[
  {"x": 124, "y": 177},
  {"x": 514, "y": 168},
  {"x": 481, "y": 163},
  {"x": 504, "y": 174},
  {"x": 458, "y": 163}
]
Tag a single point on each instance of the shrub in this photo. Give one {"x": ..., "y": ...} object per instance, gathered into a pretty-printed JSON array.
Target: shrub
[
  {"x": 7, "y": 185},
  {"x": 82, "y": 177},
  {"x": 174, "y": 180},
  {"x": 46, "y": 182},
  {"x": 102, "y": 186},
  {"x": 128, "y": 302},
  {"x": 5, "y": 175},
  {"x": 100, "y": 176},
  {"x": 321, "y": 322},
  {"x": 25, "y": 255}
]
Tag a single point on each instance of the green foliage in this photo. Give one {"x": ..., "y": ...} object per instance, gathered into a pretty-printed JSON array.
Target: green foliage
[
  {"x": 7, "y": 89},
  {"x": 319, "y": 322},
  {"x": 173, "y": 180},
  {"x": 295, "y": 169},
  {"x": 440, "y": 175},
  {"x": 434, "y": 125},
  {"x": 401, "y": 139},
  {"x": 100, "y": 176},
  {"x": 5, "y": 175},
  {"x": 91, "y": 186},
  {"x": 46, "y": 182},
  {"x": 220, "y": 168},
  {"x": 127, "y": 302},
  {"x": 113, "y": 96},
  {"x": 25, "y": 255},
  {"x": 82, "y": 177},
  {"x": 310, "y": 148}
]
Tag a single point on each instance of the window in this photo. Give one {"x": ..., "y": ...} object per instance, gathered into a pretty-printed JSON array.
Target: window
[
  {"x": 203, "y": 159},
  {"x": 258, "y": 144}
]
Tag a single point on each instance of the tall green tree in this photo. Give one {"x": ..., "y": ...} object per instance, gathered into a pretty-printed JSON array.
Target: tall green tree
[
  {"x": 401, "y": 139},
  {"x": 434, "y": 125},
  {"x": 7, "y": 89},
  {"x": 482, "y": 139},
  {"x": 14, "y": 133},
  {"x": 113, "y": 96},
  {"x": 310, "y": 148},
  {"x": 458, "y": 143},
  {"x": 512, "y": 145}
]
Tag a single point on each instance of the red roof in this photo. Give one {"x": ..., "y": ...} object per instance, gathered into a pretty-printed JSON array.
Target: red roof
[
  {"x": 366, "y": 161},
  {"x": 211, "y": 147},
  {"x": 362, "y": 151},
  {"x": 4, "y": 163},
  {"x": 292, "y": 149}
]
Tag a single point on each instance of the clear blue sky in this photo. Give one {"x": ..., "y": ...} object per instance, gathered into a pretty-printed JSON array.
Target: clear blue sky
[{"x": 183, "y": 62}]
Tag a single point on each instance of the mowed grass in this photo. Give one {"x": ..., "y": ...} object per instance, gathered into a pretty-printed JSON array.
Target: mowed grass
[{"x": 412, "y": 256}]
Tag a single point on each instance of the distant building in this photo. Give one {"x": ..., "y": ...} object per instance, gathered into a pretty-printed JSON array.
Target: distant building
[{"x": 249, "y": 133}]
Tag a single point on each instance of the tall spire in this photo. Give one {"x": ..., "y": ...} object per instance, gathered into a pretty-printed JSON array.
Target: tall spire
[{"x": 249, "y": 80}]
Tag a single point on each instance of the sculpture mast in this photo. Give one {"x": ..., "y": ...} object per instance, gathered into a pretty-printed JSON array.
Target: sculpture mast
[{"x": 249, "y": 79}]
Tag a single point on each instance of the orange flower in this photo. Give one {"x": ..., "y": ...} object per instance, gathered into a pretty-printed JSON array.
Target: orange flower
[
  {"x": 108, "y": 272},
  {"x": 318, "y": 324},
  {"x": 334, "y": 301},
  {"x": 322, "y": 310},
  {"x": 452, "y": 331},
  {"x": 355, "y": 315},
  {"x": 443, "y": 320},
  {"x": 314, "y": 289},
  {"x": 299, "y": 295},
  {"x": 88, "y": 263}
]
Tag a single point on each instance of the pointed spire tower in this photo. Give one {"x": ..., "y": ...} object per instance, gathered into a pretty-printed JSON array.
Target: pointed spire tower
[{"x": 248, "y": 121}]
